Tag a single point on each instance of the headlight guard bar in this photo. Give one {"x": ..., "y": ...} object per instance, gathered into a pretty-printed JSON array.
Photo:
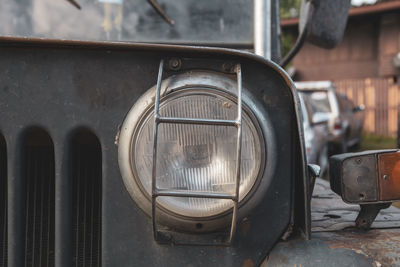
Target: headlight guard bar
[{"x": 157, "y": 192}]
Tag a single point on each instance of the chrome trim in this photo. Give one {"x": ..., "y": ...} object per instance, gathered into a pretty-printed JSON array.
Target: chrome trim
[
  {"x": 262, "y": 28},
  {"x": 198, "y": 194},
  {"x": 159, "y": 119}
]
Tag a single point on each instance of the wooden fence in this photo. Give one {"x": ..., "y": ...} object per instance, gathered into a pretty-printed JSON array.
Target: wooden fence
[{"x": 381, "y": 99}]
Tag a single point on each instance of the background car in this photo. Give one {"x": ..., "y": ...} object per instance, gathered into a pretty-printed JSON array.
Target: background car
[
  {"x": 316, "y": 137},
  {"x": 352, "y": 118},
  {"x": 345, "y": 119}
]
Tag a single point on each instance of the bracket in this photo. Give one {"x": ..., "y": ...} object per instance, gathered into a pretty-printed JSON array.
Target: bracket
[{"x": 368, "y": 213}]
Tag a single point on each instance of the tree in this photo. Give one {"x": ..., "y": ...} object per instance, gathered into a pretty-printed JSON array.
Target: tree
[{"x": 289, "y": 8}]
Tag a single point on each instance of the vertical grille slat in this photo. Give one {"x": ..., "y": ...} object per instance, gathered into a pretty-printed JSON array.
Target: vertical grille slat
[
  {"x": 86, "y": 170},
  {"x": 50, "y": 259},
  {"x": 3, "y": 202},
  {"x": 39, "y": 178},
  {"x": 29, "y": 191},
  {"x": 92, "y": 234},
  {"x": 34, "y": 194}
]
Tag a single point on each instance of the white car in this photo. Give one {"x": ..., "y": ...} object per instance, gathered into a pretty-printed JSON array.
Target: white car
[
  {"x": 315, "y": 137},
  {"x": 345, "y": 120}
]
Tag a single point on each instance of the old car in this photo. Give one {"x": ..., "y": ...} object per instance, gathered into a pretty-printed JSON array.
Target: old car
[
  {"x": 352, "y": 119},
  {"x": 345, "y": 119},
  {"x": 315, "y": 137},
  {"x": 163, "y": 154}
]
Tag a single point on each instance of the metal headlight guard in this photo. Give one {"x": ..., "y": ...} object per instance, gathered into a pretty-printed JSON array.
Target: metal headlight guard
[{"x": 149, "y": 102}]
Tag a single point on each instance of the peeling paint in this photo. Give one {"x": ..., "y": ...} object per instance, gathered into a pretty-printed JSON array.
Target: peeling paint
[
  {"x": 343, "y": 248},
  {"x": 383, "y": 246},
  {"x": 245, "y": 226},
  {"x": 248, "y": 263},
  {"x": 335, "y": 241}
]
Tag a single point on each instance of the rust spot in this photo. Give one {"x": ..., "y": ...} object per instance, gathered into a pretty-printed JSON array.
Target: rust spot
[
  {"x": 268, "y": 100},
  {"x": 265, "y": 261},
  {"x": 245, "y": 226},
  {"x": 248, "y": 263},
  {"x": 380, "y": 245}
]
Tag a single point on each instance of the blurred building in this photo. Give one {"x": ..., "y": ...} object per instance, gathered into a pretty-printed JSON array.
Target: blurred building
[{"x": 364, "y": 65}]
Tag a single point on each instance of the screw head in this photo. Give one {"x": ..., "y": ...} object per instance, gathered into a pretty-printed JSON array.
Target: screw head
[
  {"x": 358, "y": 161},
  {"x": 386, "y": 177},
  {"x": 227, "y": 67},
  {"x": 174, "y": 63}
]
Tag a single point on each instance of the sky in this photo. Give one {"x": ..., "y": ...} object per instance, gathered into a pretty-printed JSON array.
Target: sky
[{"x": 360, "y": 2}]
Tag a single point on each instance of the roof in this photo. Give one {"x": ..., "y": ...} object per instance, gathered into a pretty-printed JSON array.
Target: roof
[{"x": 355, "y": 11}]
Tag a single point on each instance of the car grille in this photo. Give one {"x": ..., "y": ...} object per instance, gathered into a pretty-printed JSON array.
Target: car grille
[
  {"x": 38, "y": 179},
  {"x": 37, "y": 195},
  {"x": 86, "y": 203}
]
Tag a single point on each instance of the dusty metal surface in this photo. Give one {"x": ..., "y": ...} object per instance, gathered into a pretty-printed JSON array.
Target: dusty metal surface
[
  {"x": 336, "y": 242},
  {"x": 344, "y": 248},
  {"x": 330, "y": 213},
  {"x": 381, "y": 246},
  {"x": 359, "y": 179}
]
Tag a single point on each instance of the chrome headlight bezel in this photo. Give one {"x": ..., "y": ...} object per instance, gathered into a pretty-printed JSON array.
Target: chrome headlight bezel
[{"x": 210, "y": 83}]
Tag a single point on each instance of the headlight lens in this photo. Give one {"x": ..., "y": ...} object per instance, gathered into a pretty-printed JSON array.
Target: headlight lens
[{"x": 196, "y": 157}]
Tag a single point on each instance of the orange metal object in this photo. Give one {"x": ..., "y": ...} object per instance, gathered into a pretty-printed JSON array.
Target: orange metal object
[{"x": 389, "y": 176}]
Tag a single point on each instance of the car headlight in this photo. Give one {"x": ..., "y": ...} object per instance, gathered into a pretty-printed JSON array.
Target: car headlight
[
  {"x": 192, "y": 157},
  {"x": 196, "y": 157}
]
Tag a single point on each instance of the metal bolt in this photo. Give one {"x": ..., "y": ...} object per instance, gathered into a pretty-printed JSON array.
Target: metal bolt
[
  {"x": 227, "y": 67},
  {"x": 386, "y": 177},
  {"x": 358, "y": 161},
  {"x": 174, "y": 63}
]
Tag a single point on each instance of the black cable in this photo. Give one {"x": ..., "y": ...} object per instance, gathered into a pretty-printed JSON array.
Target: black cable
[
  {"x": 295, "y": 49},
  {"x": 74, "y": 3}
]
